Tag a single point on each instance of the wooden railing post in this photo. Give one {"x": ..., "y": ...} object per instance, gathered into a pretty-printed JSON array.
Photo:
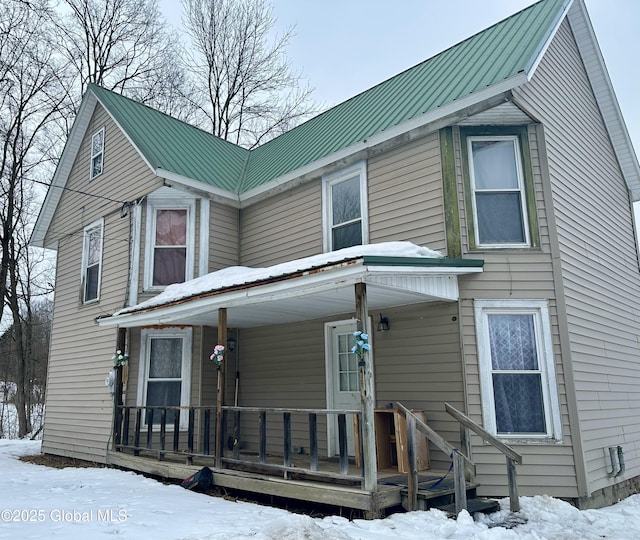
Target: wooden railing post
[
  {"x": 412, "y": 473},
  {"x": 207, "y": 431},
  {"x": 136, "y": 435},
  {"x": 163, "y": 432},
  {"x": 342, "y": 444},
  {"x": 190, "y": 433},
  {"x": 514, "y": 501},
  {"x": 262, "y": 428},
  {"x": 459, "y": 483},
  {"x": 313, "y": 441},
  {"x": 286, "y": 417}
]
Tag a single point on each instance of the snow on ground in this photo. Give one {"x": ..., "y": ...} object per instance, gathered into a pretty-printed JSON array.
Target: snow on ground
[{"x": 77, "y": 504}]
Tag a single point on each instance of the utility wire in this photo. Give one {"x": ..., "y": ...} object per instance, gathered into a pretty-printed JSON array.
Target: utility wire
[{"x": 78, "y": 191}]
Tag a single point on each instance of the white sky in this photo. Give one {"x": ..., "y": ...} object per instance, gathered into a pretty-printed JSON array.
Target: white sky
[{"x": 344, "y": 47}]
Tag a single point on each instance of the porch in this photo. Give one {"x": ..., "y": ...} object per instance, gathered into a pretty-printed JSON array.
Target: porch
[{"x": 278, "y": 468}]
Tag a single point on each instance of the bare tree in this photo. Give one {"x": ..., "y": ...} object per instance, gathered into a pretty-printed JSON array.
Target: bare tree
[
  {"x": 251, "y": 93},
  {"x": 31, "y": 95},
  {"x": 123, "y": 45}
]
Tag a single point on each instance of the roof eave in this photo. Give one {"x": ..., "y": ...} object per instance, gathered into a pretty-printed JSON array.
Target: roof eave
[
  {"x": 302, "y": 284},
  {"x": 605, "y": 96},
  {"x": 61, "y": 174}
]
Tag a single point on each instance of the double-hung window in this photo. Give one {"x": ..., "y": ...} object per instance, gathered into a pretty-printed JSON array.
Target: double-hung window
[
  {"x": 165, "y": 369},
  {"x": 345, "y": 208},
  {"x": 170, "y": 242},
  {"x": 499, "y": 182},
  {"x": 97, "y": 153},
  {"x": 92, "y": 261},
  {"x": 517, "y": 376}
]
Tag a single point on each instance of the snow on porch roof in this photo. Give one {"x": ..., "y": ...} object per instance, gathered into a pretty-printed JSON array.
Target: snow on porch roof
[{"x": 399, "y": 273}]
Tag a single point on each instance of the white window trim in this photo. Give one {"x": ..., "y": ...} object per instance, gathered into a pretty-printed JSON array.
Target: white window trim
[
  {"x": 357, "y": 169},
  {"x": 85, "y": 259},
  {"x": 166, "y": 201},
  {"x": 540, "y": 310},
  {"x": 101, "y": 154},
  {"x": 520, "y": 189},
  {"x": 186, "y": 334}
]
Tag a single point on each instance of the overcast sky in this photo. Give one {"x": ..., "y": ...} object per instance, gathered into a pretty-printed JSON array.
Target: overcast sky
[{"x": 346, "y": 46}]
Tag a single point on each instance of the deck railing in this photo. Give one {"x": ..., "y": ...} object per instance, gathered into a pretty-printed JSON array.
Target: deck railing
[
  {"x": 461, "y": 464},
  {"x": 189, "y": 433}
]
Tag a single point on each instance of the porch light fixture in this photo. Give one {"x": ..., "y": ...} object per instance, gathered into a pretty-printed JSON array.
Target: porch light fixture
[
  {"x": 383, "y": 323},
  {"x": 231, "y": 344}
]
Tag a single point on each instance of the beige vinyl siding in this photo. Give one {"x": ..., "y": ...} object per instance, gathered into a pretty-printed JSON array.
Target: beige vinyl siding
[
  {"x": 598, "y": 259},
  {"x": 418, "y": 362},
  {"x": 282, "y": 228},
  {"x": 223, "y": 236},
  {"x": 283, "y": 366},
  {"x": 514, "y": 274},
  {"x": 79, "y": 405},
  {"x": 406, "y": 195}
]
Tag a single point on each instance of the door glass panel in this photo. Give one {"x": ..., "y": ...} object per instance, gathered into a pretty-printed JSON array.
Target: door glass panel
[{"x": 347, "y": 365}]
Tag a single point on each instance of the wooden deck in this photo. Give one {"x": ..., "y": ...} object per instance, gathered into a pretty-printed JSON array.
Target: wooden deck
[{"x": 341, "y": 492}]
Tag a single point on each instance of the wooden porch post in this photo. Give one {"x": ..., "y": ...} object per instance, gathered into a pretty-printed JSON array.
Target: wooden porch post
[
  {"x": 121, "y": 344},
  {"x": 222, "y": 340},
  {"x": 366, "y": 396}
]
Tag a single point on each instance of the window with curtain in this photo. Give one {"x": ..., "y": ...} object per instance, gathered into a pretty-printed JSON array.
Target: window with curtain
[
  {"x": 495, "y": 168},
  {"x": 170, "y": 246},
  {"x": 344, "y": 200},
  {"x": 165, "y": 372},
  {"x": 92, "y": 261},
  {"x": 170, "y": 235},
  {"x": 517, "y": 370}
]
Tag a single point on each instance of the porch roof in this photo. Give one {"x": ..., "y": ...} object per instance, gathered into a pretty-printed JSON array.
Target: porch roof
[{"x": 396, "y": 274}]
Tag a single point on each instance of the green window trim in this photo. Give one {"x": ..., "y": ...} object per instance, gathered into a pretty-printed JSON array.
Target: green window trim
[
  {"x": 450, "y": 189},
  {"x": 521, "y": 132}
]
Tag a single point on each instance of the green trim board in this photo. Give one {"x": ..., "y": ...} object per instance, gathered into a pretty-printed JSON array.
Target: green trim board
[
  {"x": 450, "y": 190},
  {"x": 522, "y": 132},
  {"x": 444, "y": 262}
]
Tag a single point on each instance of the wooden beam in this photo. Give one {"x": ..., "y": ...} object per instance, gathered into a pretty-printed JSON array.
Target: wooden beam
[
  {"x": 222, "y": 340},
  {"x": 366, "y": 396}
]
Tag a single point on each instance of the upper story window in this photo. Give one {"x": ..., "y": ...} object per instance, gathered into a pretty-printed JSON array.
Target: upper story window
[
  {"x": 500, "y": 188},
  {"x": 97, "y": 153},
  {"x": 345, "y": 208},
  {"x": 92, "y": 261},
  {"x": 169, "y": 241},
  {"x": 517, "y": 375}
]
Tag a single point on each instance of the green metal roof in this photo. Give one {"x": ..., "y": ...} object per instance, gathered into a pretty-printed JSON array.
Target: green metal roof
[
  {"x": 496, "y": 54},
  {"x": 177, "y": 147}
]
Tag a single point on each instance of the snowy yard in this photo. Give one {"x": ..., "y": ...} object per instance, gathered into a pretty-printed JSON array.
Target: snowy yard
[{"x": 38, "y": 502}]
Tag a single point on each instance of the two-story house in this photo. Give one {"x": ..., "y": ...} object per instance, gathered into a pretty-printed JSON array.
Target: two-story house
[{"x": 472, "y": 215}]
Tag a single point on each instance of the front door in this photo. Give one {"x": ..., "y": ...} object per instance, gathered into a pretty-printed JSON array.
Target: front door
[{"x": 343, "y": 388}]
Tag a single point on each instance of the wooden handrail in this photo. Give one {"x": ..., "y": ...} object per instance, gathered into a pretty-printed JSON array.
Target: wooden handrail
[
  {"x": 467, "y": 422},
  {"x": 436, "y": 438},
  {"x": 512, "y": 456},
  {"x": 460, "y": 461}
]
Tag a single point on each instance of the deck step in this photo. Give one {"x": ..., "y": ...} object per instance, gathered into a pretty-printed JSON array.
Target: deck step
[
  {"x": 486, "y": 506},
  {"x": 442, "y": 495}
]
